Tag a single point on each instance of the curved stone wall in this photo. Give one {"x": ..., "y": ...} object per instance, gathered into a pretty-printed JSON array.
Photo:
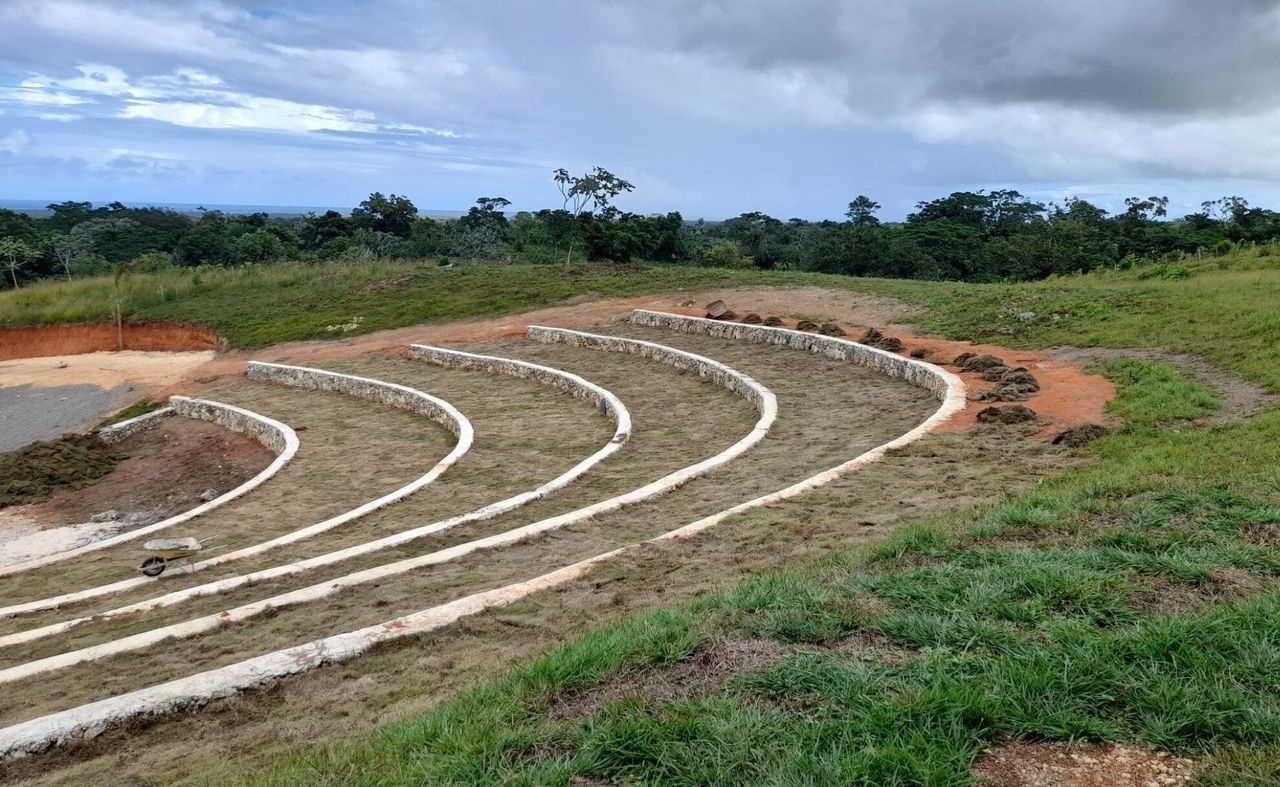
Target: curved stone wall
[
  {"x": 313, "y": 379},
  {"x": 604, "y": 399},
  {"x": 919, "y": 373},
  {"x": 276, "y": 436},
  {"x": 86, "y": 720}
]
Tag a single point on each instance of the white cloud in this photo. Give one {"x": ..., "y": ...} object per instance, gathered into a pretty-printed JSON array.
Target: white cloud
[{"x": 15, "y": 142}]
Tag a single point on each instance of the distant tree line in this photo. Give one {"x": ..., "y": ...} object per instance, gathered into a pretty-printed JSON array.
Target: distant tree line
[{"x": 968, "y": 236}]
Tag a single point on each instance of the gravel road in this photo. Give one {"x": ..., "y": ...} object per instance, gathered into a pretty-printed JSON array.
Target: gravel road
[{"x": 29, "y": 412}]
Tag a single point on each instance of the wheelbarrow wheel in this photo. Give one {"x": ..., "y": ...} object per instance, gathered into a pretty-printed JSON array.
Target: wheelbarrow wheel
[{"x": 153, "y": 566}]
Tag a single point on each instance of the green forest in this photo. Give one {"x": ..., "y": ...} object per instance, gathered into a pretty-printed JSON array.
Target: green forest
[{"x": 974, "y": 236}]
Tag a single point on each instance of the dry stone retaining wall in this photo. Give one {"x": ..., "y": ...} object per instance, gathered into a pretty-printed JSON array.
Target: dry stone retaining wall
[
  {"x": 572, "y": 384},
  {"x": 119, "y": 431},
  {"x": 884, "y": 362}
]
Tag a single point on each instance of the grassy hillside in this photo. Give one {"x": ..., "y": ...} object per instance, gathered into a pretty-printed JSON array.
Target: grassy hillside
[
  {"x": 1224, "y": 310},
  {"x": 1130, "y": 599}
]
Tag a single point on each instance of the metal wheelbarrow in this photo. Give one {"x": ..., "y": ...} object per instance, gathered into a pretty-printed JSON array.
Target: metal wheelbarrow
[{"x": 167, "y": 550}]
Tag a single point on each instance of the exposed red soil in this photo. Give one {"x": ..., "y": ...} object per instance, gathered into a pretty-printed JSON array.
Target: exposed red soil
[
  {"x": 1023, "y": 764},
  {"x": 168, "y": 468},
  {"x": 35, "y": 341}
]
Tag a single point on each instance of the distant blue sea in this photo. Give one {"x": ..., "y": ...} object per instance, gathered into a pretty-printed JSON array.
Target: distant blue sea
[{"x": 36, "y": 207}]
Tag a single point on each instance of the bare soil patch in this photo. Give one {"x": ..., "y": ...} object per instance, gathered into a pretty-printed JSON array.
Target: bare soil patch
[
  {"x": 1022, "y": 764},
  {"x": 167, "y": 469}
]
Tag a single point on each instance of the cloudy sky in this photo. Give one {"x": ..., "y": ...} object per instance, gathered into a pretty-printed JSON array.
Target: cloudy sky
[{"x": 710, "y": 108}]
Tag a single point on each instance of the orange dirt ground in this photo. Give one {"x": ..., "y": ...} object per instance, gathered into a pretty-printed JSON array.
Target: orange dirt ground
[{"x": 1069, "y": 397}]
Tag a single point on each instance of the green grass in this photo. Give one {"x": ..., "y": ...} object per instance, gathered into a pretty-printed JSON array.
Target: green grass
[
  {"x": 1133, "y": 599},
  {"x": 257, "y": 306},
  {"x": 140, "y": 407},
  {"x": 1226, "y": 312}
]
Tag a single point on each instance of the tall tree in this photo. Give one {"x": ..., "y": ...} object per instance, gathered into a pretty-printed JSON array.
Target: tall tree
[
  {"x": 16, "y": 254},
  {"x": 585, "y": 193},
  {"x": 862, "y": 211},
  {"x": 393, "y": 214}
]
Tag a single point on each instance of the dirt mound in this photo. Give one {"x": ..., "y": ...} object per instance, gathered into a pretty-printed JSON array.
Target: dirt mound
[
  {"x": 37, "y": 471},
  {"x": 831, "y": 329},
  {"x": 979, "y": 363},
  {"x": 1077, "y": 436},
  {"x": 806, "y": 325},
  {"x": 877, "y": 339},
  {"x": 1013, "y": 414},
  {"x": 921, "y": 353},
  {"x": 752, "y": 319},
  {"x": 1012, "y": 385},
  {"x": 773, "y": 321}
]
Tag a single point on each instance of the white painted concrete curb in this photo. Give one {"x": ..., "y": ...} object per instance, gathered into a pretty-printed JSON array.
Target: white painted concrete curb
[
  {"x": 276, "y": 436},
  {"x": 726, "y": 376},
  {"x": 314, "y": 379},
  {"x": 609, "y": 404}
]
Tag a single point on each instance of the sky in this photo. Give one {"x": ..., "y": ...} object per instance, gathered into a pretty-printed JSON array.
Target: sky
[{"x": 712, "y": 108}]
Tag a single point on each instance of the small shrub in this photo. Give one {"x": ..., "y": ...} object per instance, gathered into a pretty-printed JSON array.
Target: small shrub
[
  {"x": 1166, "y": 272},
  {"x": 726, "y": 254}
]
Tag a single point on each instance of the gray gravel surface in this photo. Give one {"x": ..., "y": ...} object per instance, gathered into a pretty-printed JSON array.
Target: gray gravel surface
[{"x": 29, "y": 413}]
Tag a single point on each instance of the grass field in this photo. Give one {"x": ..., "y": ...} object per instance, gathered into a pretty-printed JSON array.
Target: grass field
[{"x": 1132, "y": 598}]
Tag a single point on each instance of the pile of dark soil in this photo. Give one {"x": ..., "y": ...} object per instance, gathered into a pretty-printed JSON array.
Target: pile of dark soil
[
  {"x": 806, "y": 325},
  {"x": 1013, "y": 414},
  {"x": 1077, "y": 436},
  {"x": 831, "y": 329},
  {"x": 752, "y": 319},
  {"x": 1012, "y": 385},
  {"x": 773, "y": 322},
  {"x": 36, "y": 471},
  {"x": 876, "y": 339}
]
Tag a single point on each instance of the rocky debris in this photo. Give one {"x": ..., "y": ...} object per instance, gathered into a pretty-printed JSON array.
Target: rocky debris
[
  {"x": 1077, "y": 436},
  {"x": 830, "y": 329},
  {"x": 994, "y": 374},
  {"x": 1081, "y": 764},
  {"x": 209, "y": 494},
  {"x": 1013, "y": 414},
  {"x": 105, "y": 516},
  {"x": 806, "y": 325},
  {"x": 963, "y": 358},
  {"x": 773, "y": 321},
  {"x": 874, "y": 338},
  {"x": 921, "y": 352},
  {"x": 729, "y": 315},
  {"x": 137, "y": 517},
  {"x": 980, "y": 363},
  {"x": 716, "y": 310},
  {"x": 752, "y": 319}
]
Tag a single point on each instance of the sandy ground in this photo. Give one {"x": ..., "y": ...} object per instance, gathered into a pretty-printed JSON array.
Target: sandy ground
[{"x": 42, "y": 398}]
